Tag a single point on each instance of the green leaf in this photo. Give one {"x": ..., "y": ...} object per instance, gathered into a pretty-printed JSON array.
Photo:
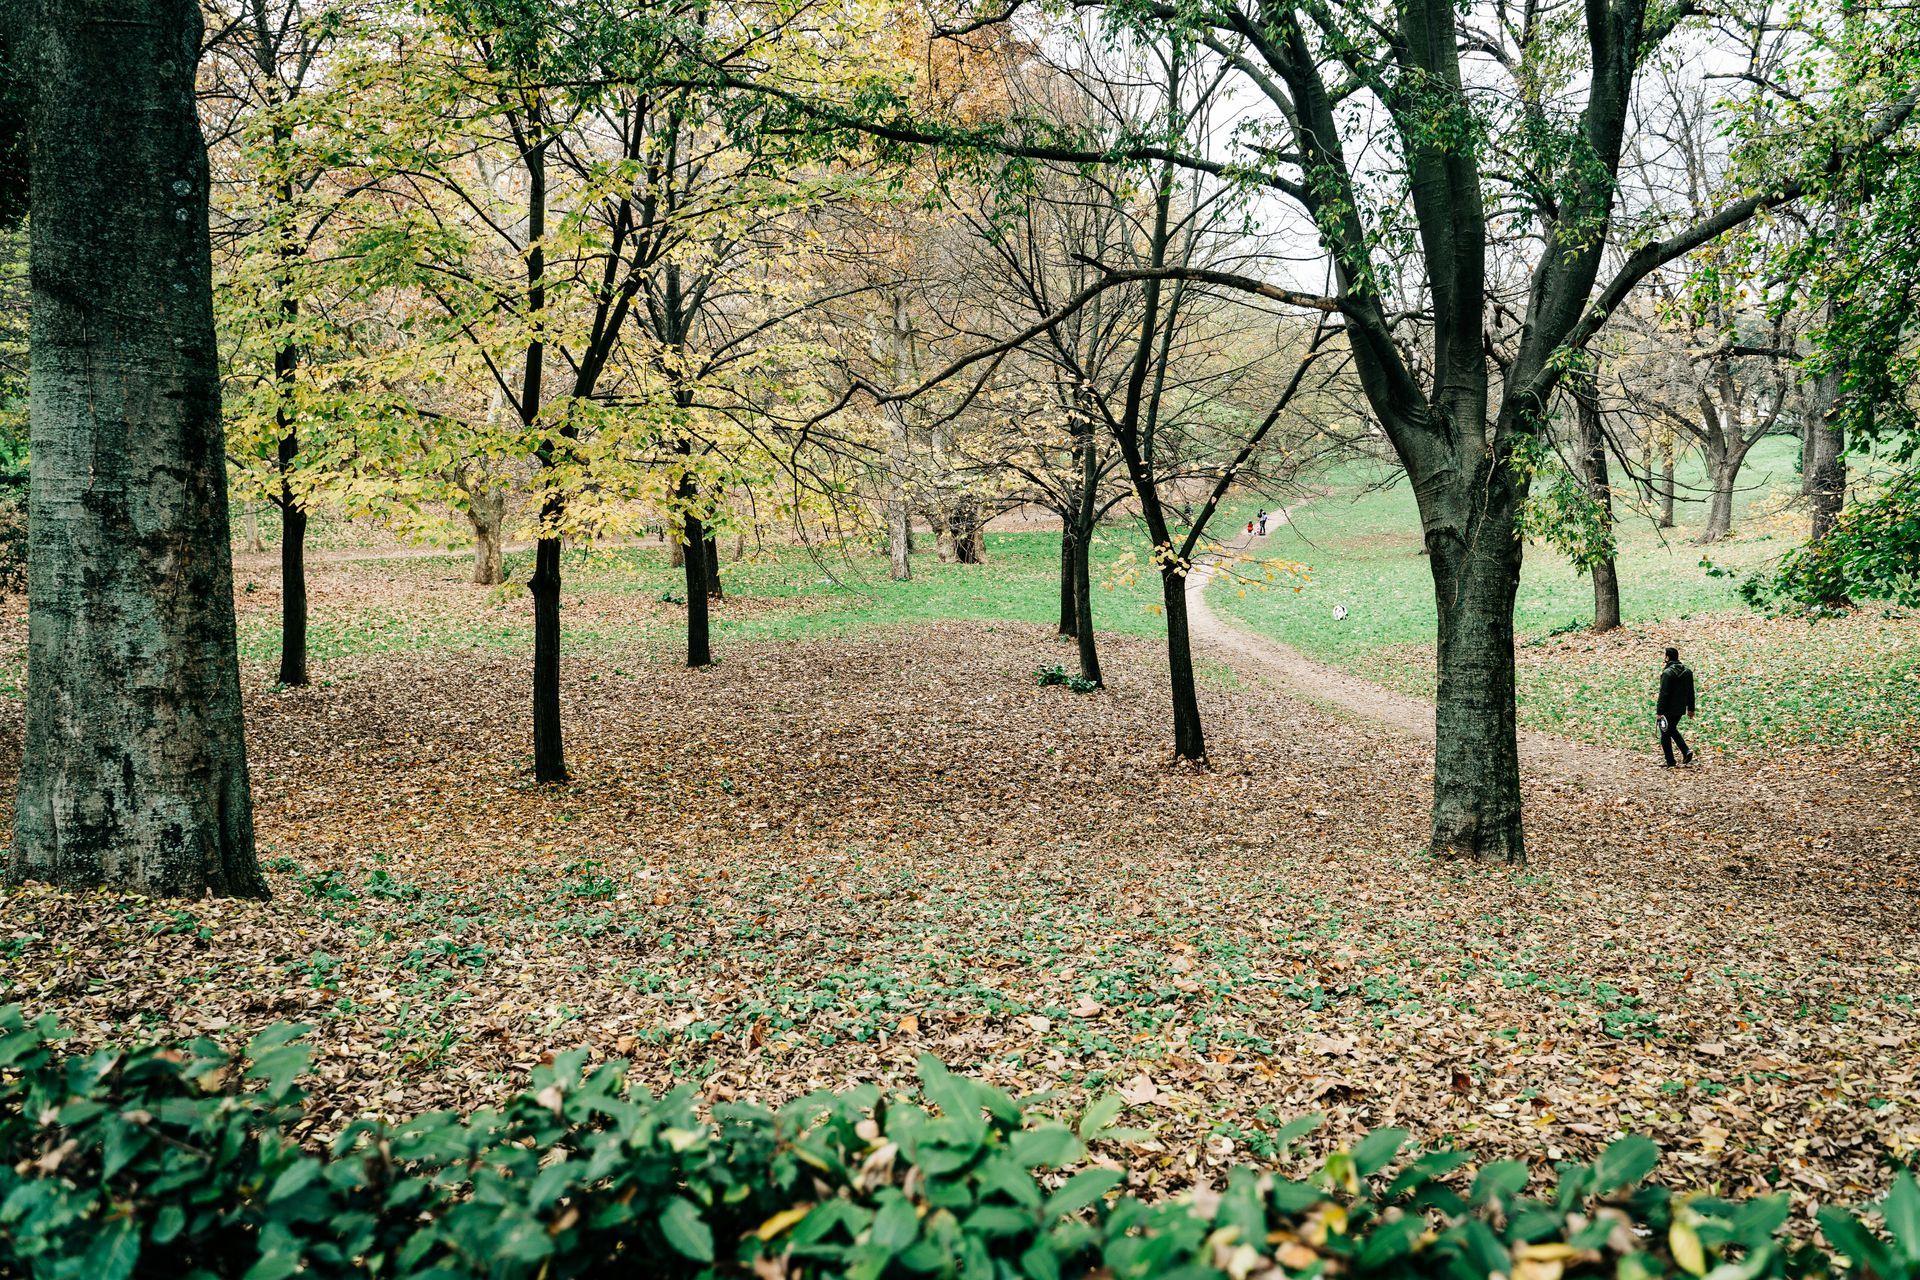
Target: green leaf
[
  {"x": 1624, "y": 1163},
  {"x": 1499, "y": 1179},
  {"x": 1902, "y": 1211},
  {"x": 1100, "y": 1115},
  {"x": 896, "y": 1225},
  {"x": 1377, "y": 1150},
  {"x": 1081, "y": 1190},
  {"x": 1047, "y": 1147},
  {"x": 114, "y": 1252},
  {"x": 690, "y": 1237}
]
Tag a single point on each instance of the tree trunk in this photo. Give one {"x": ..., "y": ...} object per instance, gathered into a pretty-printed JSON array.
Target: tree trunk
[
  {"x": 946, "y": 544},
  {"x": 487, "y": 513},
  {"x": 549, "y": 749},
  {"x": 251, "y": 512},
  {"x": 699, "y": 638},
  {"x": 1189, "y": 743},
  {"x": 1082, "y": 574},
  {"x": 1722, "y": 472},
  {"x": 968, "y": 531},
  {"x": 1593, "y": 473},
  {"x": 1666, "y": 488},
  {"x": 1475, "y": 560},
  {"x": 1068, "y": 578},
  {"x": 1824, "y": 460},
  {"x": 134, "y": 772},
  {"x": 714, "y": 591},
  {"x": 293, "y": 569},
  {"x": 676, "y": 551}
]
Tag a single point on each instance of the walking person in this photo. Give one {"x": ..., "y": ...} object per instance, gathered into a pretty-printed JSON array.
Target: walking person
[
  {"x": 1263, "y": 522},
  {"x": 1675, "y": 701}
]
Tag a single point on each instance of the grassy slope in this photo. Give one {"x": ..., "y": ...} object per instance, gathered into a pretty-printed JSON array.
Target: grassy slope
[{"x": 1763, "y": 681}]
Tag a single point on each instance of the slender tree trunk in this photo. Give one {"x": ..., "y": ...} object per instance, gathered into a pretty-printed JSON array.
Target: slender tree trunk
[
  {"x": 293, "y": 567},
  {"x": 1593, "y": 473},
  {"x": 293, "y": 517},
  {"x": 1666, "y": 487},
  {"x": 714, "y": 591},
  {"x": 251, "y": 513},
  {"x": 549, "y": 746},
  {"x": 946, "y": 541},
  {"x": 899, "y": 516},
  {"x": 676, "y": 551},
  {"x": 694, "y": 536},
  {"x": 134, "y": 772},
  {"x": 1083, "y": 610},
  {"x": 1189, "y": 742},
  {"x": 1068, "y": 577},
  {"x": 1475, "y": 559}
]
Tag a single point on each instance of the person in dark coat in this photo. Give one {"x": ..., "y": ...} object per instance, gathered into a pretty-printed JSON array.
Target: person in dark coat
[{"x": 1675, "y": 701}]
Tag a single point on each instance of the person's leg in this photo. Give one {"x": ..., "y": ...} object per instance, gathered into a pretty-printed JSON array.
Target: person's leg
[
  {"x": 1686, "y": 752},
  {"x": 1667, "y": 736}
]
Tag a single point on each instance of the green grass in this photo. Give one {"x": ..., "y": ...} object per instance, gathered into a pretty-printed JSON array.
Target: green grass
[
  {"x": 617, "y": 598},
  {"x": 1764, "y": 682}
]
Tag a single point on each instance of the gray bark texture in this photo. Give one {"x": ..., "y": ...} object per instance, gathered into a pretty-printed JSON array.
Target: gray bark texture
[
  {"x": 1593, "y": 473},
  {"x": 135, "y": 770}
]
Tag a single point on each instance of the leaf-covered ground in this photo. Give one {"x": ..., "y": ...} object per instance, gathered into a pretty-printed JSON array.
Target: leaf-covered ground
[{"x": 827, "y": 856}]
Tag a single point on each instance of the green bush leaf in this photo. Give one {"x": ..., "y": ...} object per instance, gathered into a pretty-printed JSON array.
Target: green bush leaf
[{"x": 690, "y": 1237}]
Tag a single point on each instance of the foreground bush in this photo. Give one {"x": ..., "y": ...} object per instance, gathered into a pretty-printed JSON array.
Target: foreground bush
[{"x": 181, "y": 1162}]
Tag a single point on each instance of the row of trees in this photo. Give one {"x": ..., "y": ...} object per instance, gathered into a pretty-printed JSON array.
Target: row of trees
[{"x": 711, "y": 268}]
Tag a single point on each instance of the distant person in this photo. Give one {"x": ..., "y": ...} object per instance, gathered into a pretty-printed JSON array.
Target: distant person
[
  {"x": 1675, "y": 701},
  {"x": 1249, "y": 528},
  {"x": 1263, "y": 522}
]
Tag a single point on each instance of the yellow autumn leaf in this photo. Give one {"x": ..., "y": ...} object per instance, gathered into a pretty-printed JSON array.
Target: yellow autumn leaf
[
  {"x": 1686, "y": 1246},
  {"x": 780, "y": 1221}
]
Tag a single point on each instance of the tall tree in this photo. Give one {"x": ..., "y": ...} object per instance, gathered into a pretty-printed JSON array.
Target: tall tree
[{"x": 135, "y": 766}]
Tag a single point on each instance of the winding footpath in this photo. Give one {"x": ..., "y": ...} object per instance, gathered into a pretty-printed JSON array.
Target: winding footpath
[{"x": 1581, "y": 763}]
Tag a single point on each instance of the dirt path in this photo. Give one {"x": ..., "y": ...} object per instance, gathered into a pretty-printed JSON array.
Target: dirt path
[{"x": 1580, "y": 762}]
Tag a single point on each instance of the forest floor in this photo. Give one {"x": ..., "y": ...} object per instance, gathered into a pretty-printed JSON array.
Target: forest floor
[{"x": 844, "y": 848}]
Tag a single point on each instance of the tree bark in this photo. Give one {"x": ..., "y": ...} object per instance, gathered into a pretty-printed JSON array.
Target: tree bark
[
  {"x": 1666, "y": 488},
  {"x": 1475, "y": 559},
  {"x": 1593, "y": 473},
  {"x": 293, "y": 517},
  {"x": 1824, "y": 459},
  {"x": 549, "y": 746},
  {"x": 1189, "y": 742},
  {"x": 1083, "y": 611},
  {"x": 904, "y": 370},
  {"x": 699, "y": 635},
  {"x": 134, "y": 773},
  {"x": 1069, "y": 578},
  {"x": 1722, "y": 473},
  {"x": 714, "y": 591},
  {"x": 487, "y": 513}
]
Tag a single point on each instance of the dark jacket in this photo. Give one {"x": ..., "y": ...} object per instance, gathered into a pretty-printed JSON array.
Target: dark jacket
[{"x": 1676, "y": 691}]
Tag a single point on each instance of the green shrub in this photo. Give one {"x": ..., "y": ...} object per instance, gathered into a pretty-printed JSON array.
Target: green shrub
[{"x": 182, "y": 1163}]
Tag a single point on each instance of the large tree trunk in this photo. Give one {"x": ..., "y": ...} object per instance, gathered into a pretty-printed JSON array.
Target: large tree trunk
[
  {"x": 1189, "y": 743},
  {"x": 1475, "y": 559},
  {"x": 1823, "y": 459},
  {"x": 134, "y": 772},
  {"x": 968, "y": 528},
  {"x": 1722, "y": 473},
  {"x": 1083, "y": 611},
  {"x": 714, "y": 591},
  {"x": 1593, "y": 473}
]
